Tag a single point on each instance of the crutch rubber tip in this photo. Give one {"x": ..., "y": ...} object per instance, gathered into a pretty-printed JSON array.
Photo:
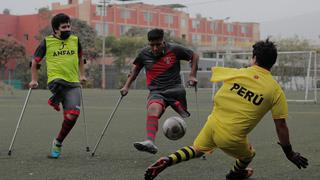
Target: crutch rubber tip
[
  {"x": 92, "y": 154},
  {"x": 88, "y": 149},
  {"x": 9, "y": 153},
  {"x": 204, "y": 158}
]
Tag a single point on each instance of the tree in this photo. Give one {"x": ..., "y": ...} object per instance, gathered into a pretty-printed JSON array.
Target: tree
[
  {"x": 87, "y": 36},
  {"x": 127, "y": 47},
  {"x": 10, "y": 49},
  {"x": 44, "y": 10},
  {"x": 168, "y": 37},
  {"x": 291, "y": 65},
  {"x": 293, "y": 44},
  {"x": 123, "y": 49},
  {"x": 6, "y": 11},
  {"x": 136, "y": 31},
  {"x": 109, "y": 44}
]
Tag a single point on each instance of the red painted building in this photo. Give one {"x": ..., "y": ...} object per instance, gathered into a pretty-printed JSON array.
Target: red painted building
[
  {"x": 24, "y": 28},
  {"x": 208, "y": 34}
]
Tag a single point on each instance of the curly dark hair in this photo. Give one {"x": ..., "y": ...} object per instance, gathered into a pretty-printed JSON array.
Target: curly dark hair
[
  {"x": 155, "y": 34},
  {"x": 59, "y": 19},
  {"x": 265, "y": 53}
]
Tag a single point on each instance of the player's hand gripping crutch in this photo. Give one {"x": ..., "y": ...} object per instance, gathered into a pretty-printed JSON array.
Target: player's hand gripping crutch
[
  {"x": 106, "y": 126},
  {"x": 19, "y": 121},
  {"x": 195, "y": 85},
  {"x": 84, "y": 122}
]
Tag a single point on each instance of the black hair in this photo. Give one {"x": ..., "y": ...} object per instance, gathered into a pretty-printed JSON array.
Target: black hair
[
  {"x": 155, "y": 34},
  {"x": 265, "y": 53},
  {"x": 59, "y": 19}
]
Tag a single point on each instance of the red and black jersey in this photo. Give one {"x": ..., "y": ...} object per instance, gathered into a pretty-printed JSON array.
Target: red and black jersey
[{"x": 163, "y": 72}]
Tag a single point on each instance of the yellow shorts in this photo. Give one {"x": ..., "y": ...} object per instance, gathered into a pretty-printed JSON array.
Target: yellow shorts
[{"x": 211, "y": 138}]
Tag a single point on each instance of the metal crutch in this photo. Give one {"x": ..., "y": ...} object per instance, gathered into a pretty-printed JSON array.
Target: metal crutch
[
  {"x": 84, "y": 121},
  {"x": 19, "y": 121},
  {"x": 106, "y": 126},
  {"x": 197, "y": 104}
]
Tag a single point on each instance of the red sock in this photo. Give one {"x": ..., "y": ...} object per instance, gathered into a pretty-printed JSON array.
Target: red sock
[
  {"x": 67, "y": 125},
  {"x": 152, "y": 127}
]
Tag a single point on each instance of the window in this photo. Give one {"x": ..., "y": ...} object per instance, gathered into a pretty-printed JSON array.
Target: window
[
  {"x": 99, "y": 10},
  {"x": 230, "y": 41},
  {"x": 195, "y": 24},
  {"x": 212, "y": 26},
  {"x": 99, "y": 28},
  {"x": 214, "y": 40},
  {"x": 147, "y": 16},
  {"x": 125, "y": 14},
  {"x": 229, "y": 27},
  {"x": 26, "y": 37},
  {"x": 244, "y": 29},
  {"x": 183, "y": 23},
  {"x": 124, "y": 29},
  {"x": 196, "y": 38},
  {"x": 168, "y": 19}
]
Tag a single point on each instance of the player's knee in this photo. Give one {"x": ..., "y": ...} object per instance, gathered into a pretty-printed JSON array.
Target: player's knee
[
  {"x": 71, "y": 116},
  {"x": 154, "y": 110},
  {"x": 154, "y": 113}
]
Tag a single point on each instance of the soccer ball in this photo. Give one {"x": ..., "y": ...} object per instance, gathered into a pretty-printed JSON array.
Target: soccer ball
[{"x": 174, "y": 128}]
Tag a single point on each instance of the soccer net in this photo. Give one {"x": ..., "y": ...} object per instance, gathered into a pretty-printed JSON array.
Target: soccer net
[{"x": 295, "y": 71}]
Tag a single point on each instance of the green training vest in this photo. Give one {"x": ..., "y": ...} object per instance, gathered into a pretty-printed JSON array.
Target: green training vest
[{"x": 62, "y": 58}]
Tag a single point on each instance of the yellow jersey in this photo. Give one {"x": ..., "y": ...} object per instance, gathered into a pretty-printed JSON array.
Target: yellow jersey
[
  {"x": 246, "y": 95},
  {"x": 62, "y": 59}
]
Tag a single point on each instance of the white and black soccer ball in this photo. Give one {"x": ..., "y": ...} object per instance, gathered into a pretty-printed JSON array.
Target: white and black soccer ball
[{"x": 174, "y": 128}]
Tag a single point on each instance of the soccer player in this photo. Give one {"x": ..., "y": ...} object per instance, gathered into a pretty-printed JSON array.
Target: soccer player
[
  {"x": 62, "y": 51},
  {"x": 245, "y": 97},
  {"x": 161, "y": 61}
]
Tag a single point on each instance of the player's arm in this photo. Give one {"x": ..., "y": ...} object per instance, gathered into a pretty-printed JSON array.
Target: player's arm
[
  {"x": 38, "y": 56},
  {"x": 183, "y": 53},
  {"x": 194, "y": 68},
  {"x": 131, "y": 77},
  {"x": 284, "y": 142},
  {"x": 34, "y": 74},
  {"x": 81, "y": 63}
]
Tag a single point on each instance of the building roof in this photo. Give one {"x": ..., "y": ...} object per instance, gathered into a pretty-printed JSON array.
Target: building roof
[{"x": 175, "y": 5}]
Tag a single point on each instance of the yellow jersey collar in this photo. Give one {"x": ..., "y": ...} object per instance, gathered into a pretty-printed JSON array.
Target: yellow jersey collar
[{"x": 258, "y": 68}]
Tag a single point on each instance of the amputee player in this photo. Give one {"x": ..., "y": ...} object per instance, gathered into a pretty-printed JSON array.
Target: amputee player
[
  {"x": 65, "y": 70},
  {"x": 246, "y": 95},
  {"x": 161, "y": 61}
]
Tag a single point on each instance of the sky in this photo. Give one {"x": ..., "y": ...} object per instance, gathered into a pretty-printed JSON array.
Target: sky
[{"x": 282, "y": 18}]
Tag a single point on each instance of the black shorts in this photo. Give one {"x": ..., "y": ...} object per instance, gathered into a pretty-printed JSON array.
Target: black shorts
[
  {"x": 68, "y": 96},
  {"x": 174, "y": 97}
]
